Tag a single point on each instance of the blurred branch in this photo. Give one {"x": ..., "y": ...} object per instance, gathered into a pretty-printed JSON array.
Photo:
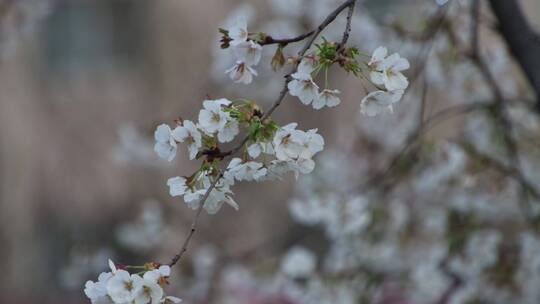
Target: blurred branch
[
  {"x": 313, "y": 34},
  {"x": 504, "y": 169},
  {"x": 415, "y": 137},
  {"x": 524, "y": 43},
  {"x": 427, "y": 36}
]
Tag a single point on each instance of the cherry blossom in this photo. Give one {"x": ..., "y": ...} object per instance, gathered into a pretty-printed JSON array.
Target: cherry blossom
[
  {"x": 165, "y": 145},
  {"x": 326, "y": 98},
  {"x": 123, "y": 287},
  {"x": 238, "y": 32},
  {"x": 387, "y": 70},
  {"x": 245, "y": 171},
  {"x": 248, "y": 52},
  {"x": 177, "y": 186},
  {"x": 378, "y": 102},
  {"x": 188, "y": 133},
  {"x": 254, "y": 150},
  {"x": 298, "y": 262},
  {"x": 229, "y": 131},
  {"x": 303, "y": 87},
  {"x": 241, "y": 73},
  {"x": 212, "y": 118},
  {"x": 97, "y": 291}
]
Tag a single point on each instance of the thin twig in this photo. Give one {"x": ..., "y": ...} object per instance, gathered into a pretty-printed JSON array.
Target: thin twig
[
  {"x": 313, "y": 34},
  {"x": 269, "y": 40},
  {"x": 347, "y": 31},
  {"x": 329, "y": 19},
  {"x": 506, "y": 170},
  {"x": 193, "y": 227}
]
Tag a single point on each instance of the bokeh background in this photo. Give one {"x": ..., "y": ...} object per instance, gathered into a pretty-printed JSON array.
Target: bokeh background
[{"x": 83, "y": 84}]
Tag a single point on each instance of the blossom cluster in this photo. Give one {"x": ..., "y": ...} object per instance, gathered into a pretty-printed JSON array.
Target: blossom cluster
[
  {"x": 270, "y": 151},
  {"x": 118, "y": 286},
  {"x": 247, "y": 52},
  {"x": 385, "y": 71},
  {"x": 382, "y": 71},
  {"x": 303, "y": 87}
]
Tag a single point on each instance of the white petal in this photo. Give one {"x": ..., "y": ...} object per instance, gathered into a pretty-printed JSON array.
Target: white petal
[
  {"x": 254, "y": 150},
  {"x": 378, "y": 55},
  {"x": 180, "y": 133},
  {"x": 162, "y": 133},
  {"x": 395, "y": 82}
]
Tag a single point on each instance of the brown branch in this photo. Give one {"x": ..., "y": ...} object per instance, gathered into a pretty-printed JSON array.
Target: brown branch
[
  {"x": 523, "y": 41},
  {"x": 329, "y": 19},
  {"x": 347, "y": 31},
  {"x": 313, "y": 34},
  {"x": 284, "y": 41},
  {"x": 505, "y": 170}
]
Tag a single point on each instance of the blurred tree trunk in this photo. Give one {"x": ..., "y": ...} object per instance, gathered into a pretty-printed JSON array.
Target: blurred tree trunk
[{"x": 523, "y": 41}]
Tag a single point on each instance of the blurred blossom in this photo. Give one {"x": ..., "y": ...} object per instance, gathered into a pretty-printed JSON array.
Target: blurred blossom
[
  {"x": 298, "y": 263},
  {"x": 145, "y": 232},
  {"x": 19, "y": 19}
]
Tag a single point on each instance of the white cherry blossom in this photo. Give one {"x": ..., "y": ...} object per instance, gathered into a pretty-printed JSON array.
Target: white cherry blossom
[
  {"x": 212, "y": 118},
  {"x": 313, "y": 144},
  {"x": 217, "y": 197},
  {"x": 238, "y": 32},
  {"x": 177, "y": 186},
  {"x": 292, "y": 144},
  {"x": 248, "y": 52},
  {"x": 229, "y": 131},
  {"x": 189, "y": 134},
  {"x": 378, "y": 102},
  {"x": 306, "y": 66},
  {"x": 387, "y": 70},
  {"x": 123, "y": 287},
  {"x": 303, "y": 87},
  {"x": 288, "y": 142},
  {"x": 298, "y": 262},
  {"x": 378, "y": 56},
  {"x": 192, "y": 197},
  {"x": 97, "y": 291},
  {"x": 241, "y": 73},
  {"x": 254, "y": 150},
  {"x": 327, "y": 98},
  {"x": 150, "y": 291},
  {"x": 165, "y": 145},
  {"x": 302, "y": 165},
  {"x": 392, "y": 77},
  {"x": 246, "y": 171}
]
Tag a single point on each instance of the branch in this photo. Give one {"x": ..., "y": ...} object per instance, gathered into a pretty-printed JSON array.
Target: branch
[
  {"x": 523, "y": 42},
  {"x": 505, "y": 170},
  {"x": 329, "y": 19},
  {"x": 177, "y": 257},
  {"x": 414, "y": 137},
  {"x": 313, "y": 34},
  {"x": 269, "y": 40}
]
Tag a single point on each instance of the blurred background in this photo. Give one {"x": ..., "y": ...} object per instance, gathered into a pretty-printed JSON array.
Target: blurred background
[{"x": 83, "y": 84}]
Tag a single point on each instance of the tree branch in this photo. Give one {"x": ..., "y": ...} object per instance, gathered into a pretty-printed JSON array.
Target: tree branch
[
  {"x": 269, "y": 40},
  {"x": 313, "y": 34},
  {"x": 193, "y": 227},
  {"x": 523, "y": 42}
]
